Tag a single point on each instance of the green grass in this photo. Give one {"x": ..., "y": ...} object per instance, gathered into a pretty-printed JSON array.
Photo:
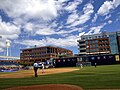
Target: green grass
[{"x": 102, "y": 77}]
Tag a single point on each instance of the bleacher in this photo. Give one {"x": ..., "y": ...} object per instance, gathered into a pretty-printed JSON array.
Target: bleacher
[
  {"x": 8, "y": 66},
  {"x": 8, "y": 63}
]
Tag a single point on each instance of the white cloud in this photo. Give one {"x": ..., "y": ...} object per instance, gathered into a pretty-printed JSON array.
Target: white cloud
[
  {"x": 73, "y": 5},
  {"x": 1, "y": 50},
  {"x": 24, "y": 10},
  {"x": 62, "y": 32},
  {"x": 82, "y": 33},
  {"x": 45, "y": 31},
  {"x": 107, "y": 17},
  {"x": 8, "y": 30},
  {"x": 38, "y": 9},
  {"x": 63, "y": 42},
  {"x": 72, "y": 18},
  {"x": 105, "y": 9},
  {"x": 116, "y": 3},
  {"x": 95, "y": 30},
  {"x": 95, "y": 18},
  {"x": 30, "y": 43},
  {"x": 2, "y": 44},
  {"x": 29, "y": 27},
  {"x": 87, "y": 12},
  {"x": 42, "y": 29},
  {"x": 107, "y": 6},
  {"x": 110, "y": 21},
  {"x": 71, "y": 41}
]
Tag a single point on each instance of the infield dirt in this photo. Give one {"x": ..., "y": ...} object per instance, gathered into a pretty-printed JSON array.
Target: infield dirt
[{"x": 29, "y": 73}]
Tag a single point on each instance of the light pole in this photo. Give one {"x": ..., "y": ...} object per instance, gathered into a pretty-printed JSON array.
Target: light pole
[{"x": 7, "y": 46}]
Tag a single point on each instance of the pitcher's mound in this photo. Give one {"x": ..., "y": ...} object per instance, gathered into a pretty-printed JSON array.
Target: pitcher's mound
[{"x": 47, "y": 87}]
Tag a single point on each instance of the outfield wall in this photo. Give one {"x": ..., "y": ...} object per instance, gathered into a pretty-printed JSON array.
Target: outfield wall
[
  {"x": 65, "y": 62},
  {"x": 104, "y": 59}
]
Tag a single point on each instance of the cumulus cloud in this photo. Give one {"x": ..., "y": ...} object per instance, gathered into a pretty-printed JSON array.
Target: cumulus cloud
[
  {"x": 50, "y": 18},
  {"x": 87, "y": 12},
  {"x": 82, "y": 33},
  {"x": 71, "y": 41},
  {"x": 2, "y": 44},
  {"x": 116, "y": 3},
  {"x": 42, "y": 29},
  {"x": 105, "y": 9},
  {"x": 95, "y": 30},
  {"x": 107, "y": 6},
  {"x": 72, "y": 18},
  {"x": 95, "y": 17},
  {"x": 73, "y": 5},
  {"x": 24, "y": 10},
  {"x": 107, "y": 17},
  {"x": 9, "y": 30},
  {"x": 45, "y": 31},
  {"x": 30, "y": 43},
  {"x": 110, "y": 21},
  {"x": 40, "y": 9}
]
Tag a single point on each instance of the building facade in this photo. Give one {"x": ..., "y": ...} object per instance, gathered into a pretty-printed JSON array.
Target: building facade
[
  {"x": 103, "y": 43},
  {"x": 43, "y": 54},
  {"x": 113, "y": 43},
  {"x": 118, "y": 38}
]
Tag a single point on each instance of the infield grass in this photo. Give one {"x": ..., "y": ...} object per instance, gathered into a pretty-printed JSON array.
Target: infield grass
[{"x": 101, "y": 77}]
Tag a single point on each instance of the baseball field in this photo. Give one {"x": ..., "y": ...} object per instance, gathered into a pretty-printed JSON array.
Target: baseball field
[{"x": 88, "y": 78}]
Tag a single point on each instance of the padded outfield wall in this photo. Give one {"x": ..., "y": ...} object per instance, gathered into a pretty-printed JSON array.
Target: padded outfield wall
[{"x": 105, "y": 59}]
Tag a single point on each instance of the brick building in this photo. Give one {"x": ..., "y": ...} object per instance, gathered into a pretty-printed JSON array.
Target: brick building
[
  {"x": 103, "y": 43},
  {"x": 118, "y": 33},
  {"x": 43, "y": 53}
]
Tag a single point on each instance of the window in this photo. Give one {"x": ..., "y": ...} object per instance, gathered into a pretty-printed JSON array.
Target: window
[
  {"x": 86, "y": 42},
  {"x": 95, "y": 36},
  {"x": 96, "y": 41},
  {"x": 86, "y": 38},
  {"x": 96, "y": 49},
  {"x": 83, "y": 38},
  {"x": 87, "y": 50},
  {"x": 96, "y": 45},
  {"x": 90, "y": 46},
  {"x": 99, "y": 36},
  {"x": 89, "y": 37}
]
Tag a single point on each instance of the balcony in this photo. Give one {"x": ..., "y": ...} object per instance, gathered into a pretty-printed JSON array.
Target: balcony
[
  {"x": 83, "y": 44},
  {"x": 82, "y": 48}
]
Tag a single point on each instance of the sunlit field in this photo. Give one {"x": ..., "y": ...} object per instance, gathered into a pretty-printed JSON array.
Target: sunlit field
[{"x": 101, "y": 77}]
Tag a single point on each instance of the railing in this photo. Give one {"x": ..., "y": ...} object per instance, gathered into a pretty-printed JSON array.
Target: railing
[{"x": 10, "y": 57}]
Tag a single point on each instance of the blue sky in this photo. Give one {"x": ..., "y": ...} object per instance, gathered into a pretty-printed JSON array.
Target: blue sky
[{"x": 26, "y": 23}]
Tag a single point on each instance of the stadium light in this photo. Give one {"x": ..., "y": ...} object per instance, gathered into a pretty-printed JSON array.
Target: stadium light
[{"x": 7, "y": 46}]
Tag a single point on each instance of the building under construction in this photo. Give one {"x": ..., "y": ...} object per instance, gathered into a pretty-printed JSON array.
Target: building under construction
[{"x": 43, "y": 54}]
